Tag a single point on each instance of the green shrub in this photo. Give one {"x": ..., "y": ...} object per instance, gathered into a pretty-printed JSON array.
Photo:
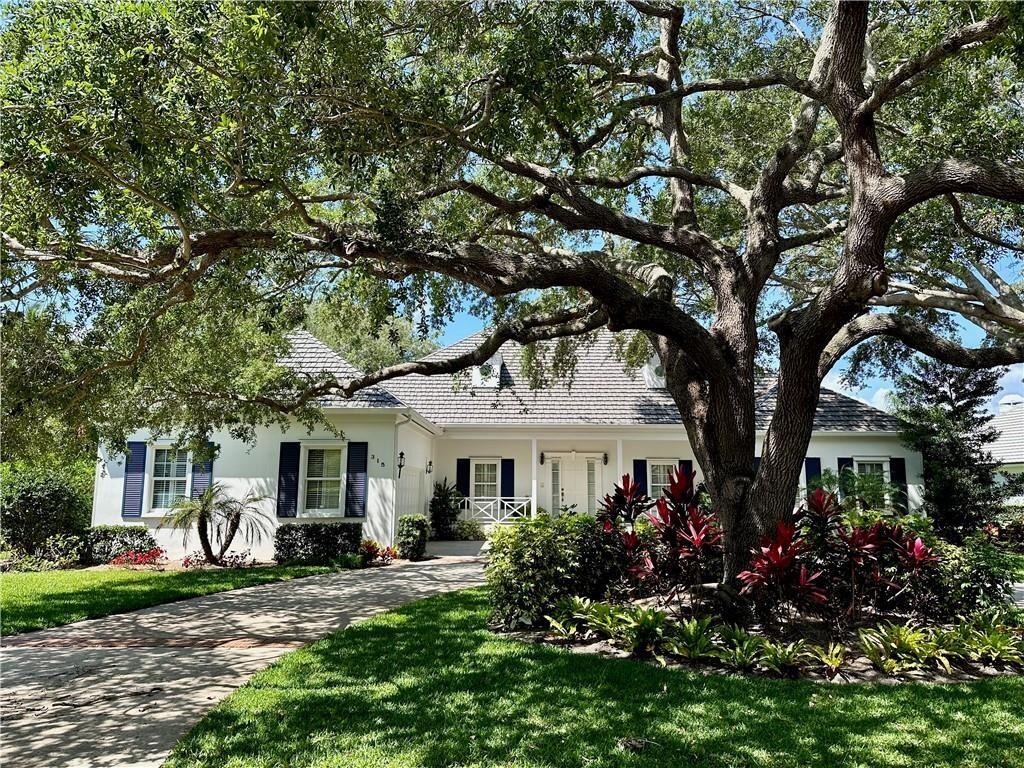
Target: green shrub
[
  {"x": 105, "y": 542},
  {"x": 536, "y": 563},
  {"x": 38, "y": 502},
  {"x": 444, "y": 511},
  {"x": 468, "y": 530},
  {"x": 317, "y": 543},
  {"x": 969, "y": 578},
  {"x": 411, "y": 537},
  {"x": 693, "y": 639},
  {"x": 65, "y": 550}
]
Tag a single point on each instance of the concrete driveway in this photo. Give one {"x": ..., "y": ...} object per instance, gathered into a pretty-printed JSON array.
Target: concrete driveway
[{"x": 120, "y": 691}]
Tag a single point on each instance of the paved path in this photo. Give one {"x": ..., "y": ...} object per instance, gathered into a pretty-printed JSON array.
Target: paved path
[
  {"x": 120, "y": 691},
  {"x": 1018, "y": 595}
]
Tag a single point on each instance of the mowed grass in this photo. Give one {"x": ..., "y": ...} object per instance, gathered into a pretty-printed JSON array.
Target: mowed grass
[
  {"x": 51, "y": 598},
  {"x": 428, "y": 685}
]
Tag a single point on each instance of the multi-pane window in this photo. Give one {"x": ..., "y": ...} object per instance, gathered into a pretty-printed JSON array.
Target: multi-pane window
[
  {"x": 485, "y": 479},
  {"x": 170, "y": 477},
  {"x": 871, "y": 468},
  {"x": 591, "y": 486},
  {"x": 659, "y": 474},
  {"x": 556, "y": 485},
  {"x": 323, "y": 479}
]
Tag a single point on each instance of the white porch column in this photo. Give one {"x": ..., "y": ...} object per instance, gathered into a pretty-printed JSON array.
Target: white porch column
[
  {"x": 618, "y": 453},
  {"x": 533, "y": 477}
]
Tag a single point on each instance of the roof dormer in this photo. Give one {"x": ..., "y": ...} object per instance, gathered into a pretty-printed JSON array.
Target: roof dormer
[
  {"x": 654, "y": 373},
  {"x": 488, "y": 374}
]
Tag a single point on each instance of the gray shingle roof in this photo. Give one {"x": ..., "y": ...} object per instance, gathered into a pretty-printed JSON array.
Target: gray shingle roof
[
  {"x": 309, "y": 355},
  {"x": 601, "y": 393},
  {"x": 1009, "y": 446}
]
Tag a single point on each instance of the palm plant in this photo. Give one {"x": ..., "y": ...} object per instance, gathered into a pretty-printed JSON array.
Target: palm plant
[{"x": 220, "y": 514}]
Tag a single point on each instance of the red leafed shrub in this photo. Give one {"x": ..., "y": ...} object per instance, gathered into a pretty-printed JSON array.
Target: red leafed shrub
[
  {"x": 625, "y": 504},
  {"x": 144, "y": 557},
  {"x": 682, "y": 544},
  {"x": 374, "y": 553},
  {"x": 779, "y": 577}
]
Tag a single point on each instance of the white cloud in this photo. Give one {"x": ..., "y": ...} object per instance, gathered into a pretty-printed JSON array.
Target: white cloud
[{"x": 881, "y": 399}]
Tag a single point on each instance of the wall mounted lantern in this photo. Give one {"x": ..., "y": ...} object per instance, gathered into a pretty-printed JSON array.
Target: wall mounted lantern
[
  {"x": 542, "y": 458},
  {"x": 430, "y": 466},
  {"x": 606, "y": 459},
  {"x": 401, "y": 462}
]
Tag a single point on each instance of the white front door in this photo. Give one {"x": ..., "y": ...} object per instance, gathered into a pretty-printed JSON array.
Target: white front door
[{"x": 575, "y": 482}]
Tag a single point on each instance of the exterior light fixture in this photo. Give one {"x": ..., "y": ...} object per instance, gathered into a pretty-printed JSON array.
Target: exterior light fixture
[
  {"x": 542, "y": 458},
  {"x": 606, "y": 459},
  {"x": 430, "y": 466},
  {"x": 401, "y": 462}
]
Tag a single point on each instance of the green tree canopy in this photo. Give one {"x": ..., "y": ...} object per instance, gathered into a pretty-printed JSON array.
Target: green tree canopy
[{"x": 726, "y": 183}]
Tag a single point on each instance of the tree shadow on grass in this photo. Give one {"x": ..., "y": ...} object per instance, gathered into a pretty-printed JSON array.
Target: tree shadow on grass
[{"x": 429, "y": 685}]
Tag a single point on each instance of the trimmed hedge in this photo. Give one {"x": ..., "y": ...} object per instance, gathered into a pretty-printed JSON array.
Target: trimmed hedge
[
  {"x": 39, "y": 502},
  {"x": 105, "y": 542},
  {"x": 411, "y": 537},
  {"x": 535, "y": 563},
  {"x": 316, "y": 543}
]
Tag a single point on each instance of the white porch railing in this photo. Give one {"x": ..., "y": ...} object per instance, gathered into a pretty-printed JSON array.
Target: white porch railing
[{"x": 496, "y": 510}]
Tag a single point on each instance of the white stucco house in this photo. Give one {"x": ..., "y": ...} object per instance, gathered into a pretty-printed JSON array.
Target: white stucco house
[
  {"x": 1008, "y": 448},
  {"x": 509, "y": 449}
]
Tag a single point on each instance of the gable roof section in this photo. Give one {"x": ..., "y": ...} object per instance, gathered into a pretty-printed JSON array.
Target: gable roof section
[
  {"x": 602, "y": 393},
  {"x": 309, "y": 355},
  {"x": 1008, "y": 448}
]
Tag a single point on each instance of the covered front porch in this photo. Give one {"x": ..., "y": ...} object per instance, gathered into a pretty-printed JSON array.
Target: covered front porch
[{"x": 546, "y": 470}]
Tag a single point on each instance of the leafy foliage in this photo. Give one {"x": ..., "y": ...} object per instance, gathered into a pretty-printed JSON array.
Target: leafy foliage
[
  {"x": 444, "y": 510},
  {"x": 217, "y": 517},
  {"x": 105, "y": 542},
  {"x": 534, "y": 564},
  {"x": 37, "y": 502},
  {"x": 945, "y": 417},
  {"x": 316, "y": 543},
  {"x": 411, "y": 536}
]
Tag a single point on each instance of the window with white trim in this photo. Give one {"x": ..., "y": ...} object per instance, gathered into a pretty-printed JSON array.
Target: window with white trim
[
  {"x": 485, "y": 479},
  {"x": 658, "y": 471},
  {"x": 872, "y": 466},
  {"x": 324, "y": 480},
  {"x": 170, "y": 477}
]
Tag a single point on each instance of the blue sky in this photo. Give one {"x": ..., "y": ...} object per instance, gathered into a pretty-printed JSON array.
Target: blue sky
[{"x": 875, "y": 393}]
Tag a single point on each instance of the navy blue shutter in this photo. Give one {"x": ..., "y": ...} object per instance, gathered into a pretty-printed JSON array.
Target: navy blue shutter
[
  {"x": 462, "y": 476},
  {"x": 202, "y": 475},
  {"x": 134, "y": 480},
  {"x": 812, "y": 468},
  {"x": 288, "y": 480},
  {"x": 757, "y": 463},
  {"x": 844, "y": 464},
  {"x": 687, "y": 465},
  {"x": 508, "y": 477},
  {"x": 356, "y": 479},
  {"x": 898, "y": 477},
  {"x": 640, "y": 473}
]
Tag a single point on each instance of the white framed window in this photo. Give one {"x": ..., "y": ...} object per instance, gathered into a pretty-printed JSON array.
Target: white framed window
[
  {"x": 592, "y": 471},
  {"x": 323, "y": 480},
  {"x": 658, "y": 471},
  {"x": 485, "y": 478},
  {"x": 170, "y": 477},
  {"x": 872, "y": 465}
]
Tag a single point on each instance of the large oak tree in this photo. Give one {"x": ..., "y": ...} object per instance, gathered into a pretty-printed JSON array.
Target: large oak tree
[{"x": 731, "y": 185}]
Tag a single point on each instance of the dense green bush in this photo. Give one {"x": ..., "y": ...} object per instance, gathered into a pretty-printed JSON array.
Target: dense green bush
[
  {"x": 37, "y": 502},
  {"x": 969, "y": 578},
  {"x": 411, "y": 537},
  {"x": 536, "y": 563},
  {"x": 444, "y": 511},
  {"x": 105, "y": 542},
  {"x": 316, "y": 543},
  {"x": 469, "y": 530}
]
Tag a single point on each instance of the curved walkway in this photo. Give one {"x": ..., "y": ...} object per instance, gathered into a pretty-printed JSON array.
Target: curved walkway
[{"x": 121, "y": 690}]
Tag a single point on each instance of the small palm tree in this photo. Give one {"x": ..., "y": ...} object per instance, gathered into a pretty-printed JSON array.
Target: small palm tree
[{"x": 216, "y": 512}]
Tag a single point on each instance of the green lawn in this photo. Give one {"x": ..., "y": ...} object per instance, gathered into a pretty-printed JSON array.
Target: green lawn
[
  {"x": 428, "y": 685},
  {"x": 50, "y": 598}
]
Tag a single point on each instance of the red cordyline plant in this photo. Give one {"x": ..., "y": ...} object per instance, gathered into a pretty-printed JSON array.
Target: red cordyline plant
[
  {"x": 778, "y": 576},
  {"x": 626, "y": 503}
]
